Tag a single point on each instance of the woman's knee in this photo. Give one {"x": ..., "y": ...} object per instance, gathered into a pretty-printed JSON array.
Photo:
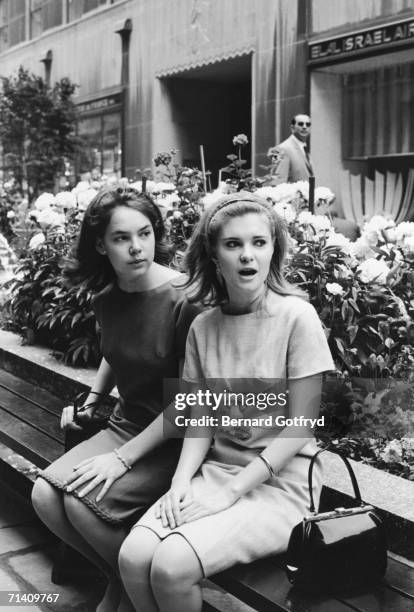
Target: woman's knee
[
  {"x": 45, "y": 497},
  {"x": 137, "y": 551},
  {"x": 175, "y": 566},
  {"x": 75, "y": 510}
]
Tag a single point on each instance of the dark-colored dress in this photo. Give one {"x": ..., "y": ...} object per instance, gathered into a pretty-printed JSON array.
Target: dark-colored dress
[{"x": 143, "y": 337}]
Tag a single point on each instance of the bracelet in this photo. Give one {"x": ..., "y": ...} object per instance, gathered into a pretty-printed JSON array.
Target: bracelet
[
  {"x": 267, "y": 464},
  {"x": 121, "y": 459}
]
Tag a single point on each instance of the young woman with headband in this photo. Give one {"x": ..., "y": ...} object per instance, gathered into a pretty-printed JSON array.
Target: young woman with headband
[{"x": 238, "y": 490}]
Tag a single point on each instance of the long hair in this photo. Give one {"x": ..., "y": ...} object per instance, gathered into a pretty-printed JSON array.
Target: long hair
[
  {"x": 203, "y": 281},
  {"x": 84, "y": 264}
]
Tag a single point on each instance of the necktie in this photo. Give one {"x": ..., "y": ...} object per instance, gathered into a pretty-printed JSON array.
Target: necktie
[{"x": 308, "y": 160}]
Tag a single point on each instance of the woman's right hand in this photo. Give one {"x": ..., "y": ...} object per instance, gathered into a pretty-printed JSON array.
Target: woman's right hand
[
  {"x": 168, "y": 507},
  {"x": 66, "y": 420}
]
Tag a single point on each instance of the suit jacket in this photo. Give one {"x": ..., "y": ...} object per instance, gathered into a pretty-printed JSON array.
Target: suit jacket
[{"x": 292, "y": 164}]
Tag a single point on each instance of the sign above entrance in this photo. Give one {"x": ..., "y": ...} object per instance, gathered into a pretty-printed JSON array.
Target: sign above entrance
[
  {"x": 363, "y": 42},
  {"x": 100, "y": 104}
]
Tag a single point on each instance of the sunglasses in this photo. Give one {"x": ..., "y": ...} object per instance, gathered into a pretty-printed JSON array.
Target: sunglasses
[{"x": 303, "y": 123}]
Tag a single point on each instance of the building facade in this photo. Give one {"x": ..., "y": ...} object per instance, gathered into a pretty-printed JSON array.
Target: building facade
[
  {"x": 361, "y": 82},
  {"x": 161, "y": 74}
]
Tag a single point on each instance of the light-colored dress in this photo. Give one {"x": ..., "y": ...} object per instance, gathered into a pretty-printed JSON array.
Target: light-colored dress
[{"x": 285, "y": 341}]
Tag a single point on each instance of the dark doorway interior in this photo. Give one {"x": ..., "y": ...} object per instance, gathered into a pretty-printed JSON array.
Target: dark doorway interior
[{"x": 209, "y": 106}]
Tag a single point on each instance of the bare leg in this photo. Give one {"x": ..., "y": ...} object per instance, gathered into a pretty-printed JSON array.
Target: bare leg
[
  {"x": 49, "y": 505},
  {"x": 175, "y": 576},
  {"x": 135, "y": 559},
  {"x": 104, "y": 538}
]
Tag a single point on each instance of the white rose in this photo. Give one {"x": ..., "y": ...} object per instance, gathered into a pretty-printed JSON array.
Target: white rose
[
  {"x": 149, "y": 186},
  {"x": 339, "y": 240},
  {"x": 409, "y": 243},
  {"x": 373, "y": 270},
  {"x": 65, "y": 199},
  {"x": 11, "y": 214},
  {"x": 374, "y": 228},
  {"x": 371, "y": 236},
  {"x": 286, "y": 211},
  {"x": 49, "y": 218},
  {"x": 164, "y": 187},
  {"x": 284, "y": 192},
  {"x": 321, "y": 223},
  {"x": 211, "y": 198},
  {"x": 378, "y": 222},
  {"x": 45, "y": 200},
  {"x": 267, "y": 192},
  {"x": 406, "y": 228},
  {"x": 81, "y": 186},
  {"x": 226, "y": 188},
  {"x": 305, "y": 218},
  {"x": 361, "y": 248},
  {"x": 85, "y": 198},
  {"x": 334, "y": 289},
  {"x": 324, "y": 193},
  {"x": 168, "y": 200},
  {"x": 36, "y": 241},
  {"x": 302, "y": 187},
  {"x": 392, "y": 452}
]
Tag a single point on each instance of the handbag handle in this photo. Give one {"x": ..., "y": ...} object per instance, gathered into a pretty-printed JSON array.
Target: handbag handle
[
  {"x": 355, "y": 486},
  {"x": 78, "y": 404}
]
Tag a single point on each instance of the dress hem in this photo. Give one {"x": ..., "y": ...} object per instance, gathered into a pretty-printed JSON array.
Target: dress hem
[
  {"x": 105, "y": 516},
  {"x": 176, "y": 532}
]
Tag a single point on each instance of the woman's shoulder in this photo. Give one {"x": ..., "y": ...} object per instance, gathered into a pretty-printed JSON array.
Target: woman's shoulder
[
  {"x": 206, "y": 319},
  {"x": 292, "y": 304}
]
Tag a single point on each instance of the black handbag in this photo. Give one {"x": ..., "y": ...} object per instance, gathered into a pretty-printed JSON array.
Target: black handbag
[
  {"x": 91, "y": 422},
  {"x": 342, "y": 549}
]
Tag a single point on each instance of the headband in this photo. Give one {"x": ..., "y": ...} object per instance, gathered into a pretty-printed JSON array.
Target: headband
[{"x": 226, "y": 203}]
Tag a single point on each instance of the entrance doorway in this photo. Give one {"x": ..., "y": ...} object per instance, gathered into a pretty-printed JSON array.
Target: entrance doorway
[{"x": 209, "y": 106}]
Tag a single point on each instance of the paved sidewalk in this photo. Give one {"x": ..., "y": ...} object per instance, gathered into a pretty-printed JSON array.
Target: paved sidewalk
[
  {"x": 26, "y": 550},
  {"x": 26, "y": 557}
]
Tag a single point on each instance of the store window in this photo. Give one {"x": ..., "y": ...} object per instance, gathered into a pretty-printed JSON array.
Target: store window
[
  {"x": 378, "y": 113},
  {"x": 12, "y": 23},
  {"x": 101, "y": 144},
  {"x": 45, "y": 14}
]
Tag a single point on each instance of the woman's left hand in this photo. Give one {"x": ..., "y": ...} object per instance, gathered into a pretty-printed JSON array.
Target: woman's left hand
[
  {"x": 102, "y": 468},
  {"x": 211, "y": 503}
]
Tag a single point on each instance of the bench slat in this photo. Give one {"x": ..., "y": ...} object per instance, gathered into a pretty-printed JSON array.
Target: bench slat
[
  {"x": 29, "y": 442},
  {"x": 394, "y": 595},
  {"x": 400, "y": 576},
  {"x": 264, "y": 586},
  {"x": 380, "y": 599},
  {"x": 31, "y": 392},
  {"x": 44, "y": 422}
]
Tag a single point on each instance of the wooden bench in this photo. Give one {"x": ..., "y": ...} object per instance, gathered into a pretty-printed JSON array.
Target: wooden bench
[{"x": 29, "y": 425}]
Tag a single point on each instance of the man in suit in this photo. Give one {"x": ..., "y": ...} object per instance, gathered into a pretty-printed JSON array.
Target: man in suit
[{"x": 290, "y": 159}]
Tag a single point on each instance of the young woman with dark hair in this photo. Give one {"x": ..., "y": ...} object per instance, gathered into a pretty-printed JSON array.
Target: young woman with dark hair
[
  {"x": 238, "y": 489},
  {"x": 91, "y": 495}
]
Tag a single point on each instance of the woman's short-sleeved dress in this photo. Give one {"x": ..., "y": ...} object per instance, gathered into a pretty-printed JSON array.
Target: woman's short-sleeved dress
[
  {"x": 284, "y": 342},
  {"x": 143, "y": 337}
]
